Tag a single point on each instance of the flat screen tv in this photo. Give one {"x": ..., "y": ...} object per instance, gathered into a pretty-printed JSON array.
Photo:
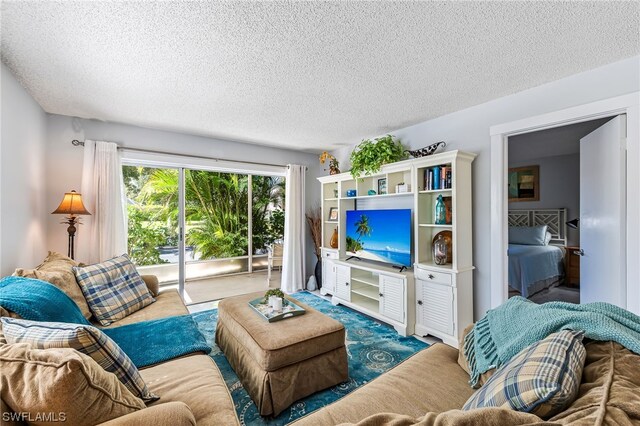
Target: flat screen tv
[{"x": 380, "y": 235}]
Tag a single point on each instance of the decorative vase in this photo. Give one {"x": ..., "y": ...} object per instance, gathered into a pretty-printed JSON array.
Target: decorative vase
[
  {"x": 318, "y": 273},
  {"x": 334, "y": 239},
  {"x": 312, "y": 284},
  {"x": 441, "y": 212},
  {"x": 440, "y": 251}
]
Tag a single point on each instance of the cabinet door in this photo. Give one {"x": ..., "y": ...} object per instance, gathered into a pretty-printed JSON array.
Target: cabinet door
[
  {"x": 392, "y": 297},
  {"x": 343, "y": 282},
  {"x": 435, "y": 306},
  {"x": 328, "y": 276}
]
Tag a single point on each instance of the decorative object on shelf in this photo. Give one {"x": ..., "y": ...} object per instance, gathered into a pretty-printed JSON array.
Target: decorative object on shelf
[
  {"x": 351, "y": 192},
  {"x": 382, "y": 186},
  {"x": 402, "y": 188},
  {"x": 334, "y": 239},
  {"x": 333, "y": 214},
  {"x": 314, "y": 220},
  {"x": 440, "y": 251},
  {"x": 524, "y": 183},
  {"x": 427, "y": 150},
  {"x": 447, "y": 236},
  {"x": 573, "y": 223},
  {"x": 333, "y": 163},
  {"x": 335, "y": 193},
  {"x": 448, "y": 210},
  {"x": 440, "y": 214},
  {"x": 369, "y": 156},
  {"x": 371, "y": 192},
  {"x": 72, "y": 205}
]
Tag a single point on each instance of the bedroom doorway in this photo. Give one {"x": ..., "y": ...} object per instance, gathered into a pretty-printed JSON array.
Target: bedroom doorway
[
  {"x": 544, "y": 190},
  {"x": 623, "y": 290}
]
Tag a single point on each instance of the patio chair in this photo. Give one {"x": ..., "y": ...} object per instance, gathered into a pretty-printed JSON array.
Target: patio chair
[{"x": 274, "y": 258}]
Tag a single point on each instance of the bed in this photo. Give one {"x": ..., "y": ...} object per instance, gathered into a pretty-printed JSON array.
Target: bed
[{"x": 536, "y": 265}]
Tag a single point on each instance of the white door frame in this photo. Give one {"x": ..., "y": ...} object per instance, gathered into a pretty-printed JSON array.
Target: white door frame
[{"x": 626, "y": 104}]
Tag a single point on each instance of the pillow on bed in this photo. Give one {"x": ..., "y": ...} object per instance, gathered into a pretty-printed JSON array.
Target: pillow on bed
[
  {"x": 547, "y": 238},
  {"x": 528, "y": 235}
]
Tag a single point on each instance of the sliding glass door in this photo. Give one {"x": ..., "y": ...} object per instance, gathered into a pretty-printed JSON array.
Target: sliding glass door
[
  {"x": 189, "y": 226},
  {"x": 153, "y": 220},
  {"x": 216, "y": 223}
]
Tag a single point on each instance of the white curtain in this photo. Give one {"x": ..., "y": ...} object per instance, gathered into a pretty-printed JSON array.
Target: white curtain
[
  {"x": 294, "y": 231},
  {"x": 103, "y": 235}
]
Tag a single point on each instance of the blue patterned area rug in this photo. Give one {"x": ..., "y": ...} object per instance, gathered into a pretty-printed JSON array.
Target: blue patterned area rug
[{"x": 372, "y": 349}]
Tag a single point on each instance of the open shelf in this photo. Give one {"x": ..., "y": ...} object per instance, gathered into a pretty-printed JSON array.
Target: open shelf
[
  {"x": 378, "y": 196},
  {"x": 366, "y": 291},
  {"x": 433, "y": 225},
  {"x": 333, "y": 222},
  {"x": 370, "y": 280},
  {"x": 331, "y": 199},
  {"x": 435, "y": 191},
  {"x": 365, "y": 302},
  {"x": 432, "y": 265}
]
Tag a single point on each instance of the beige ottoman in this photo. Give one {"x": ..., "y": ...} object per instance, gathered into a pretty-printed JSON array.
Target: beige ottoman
[{"x": 281, "y": 362}]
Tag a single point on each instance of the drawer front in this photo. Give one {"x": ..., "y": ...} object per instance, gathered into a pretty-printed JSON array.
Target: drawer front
[
  {"x": 433, "y": 276},
  {"x": 327, "y": 254}
]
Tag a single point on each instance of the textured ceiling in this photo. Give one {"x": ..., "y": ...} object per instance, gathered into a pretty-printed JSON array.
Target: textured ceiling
[{"x": 305, "y": 75}]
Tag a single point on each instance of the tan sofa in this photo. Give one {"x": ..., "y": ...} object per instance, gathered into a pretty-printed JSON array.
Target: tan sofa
[
  {"x": 430, "y": 388},
  {"x": 191, "y": 388}
]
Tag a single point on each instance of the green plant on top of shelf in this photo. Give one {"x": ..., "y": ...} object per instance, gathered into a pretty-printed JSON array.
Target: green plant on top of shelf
[{"x": 369, "y": 156}]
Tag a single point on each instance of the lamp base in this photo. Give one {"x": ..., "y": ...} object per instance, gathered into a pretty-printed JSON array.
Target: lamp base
[{"x": 71, "y": 221}]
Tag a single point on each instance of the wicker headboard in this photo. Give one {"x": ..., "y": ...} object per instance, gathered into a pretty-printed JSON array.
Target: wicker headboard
[{"x": 554, "y": 219}]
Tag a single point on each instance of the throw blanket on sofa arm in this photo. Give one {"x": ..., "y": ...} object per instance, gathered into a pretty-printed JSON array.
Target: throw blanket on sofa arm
[
  {"x": 146, "y": 343},
  {"x": 519, "y": 322}
]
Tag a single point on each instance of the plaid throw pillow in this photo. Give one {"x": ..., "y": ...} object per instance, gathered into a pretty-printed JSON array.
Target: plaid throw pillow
[
  {"x": 113, "y": 289},
  {"x": 83, "y": 338},
  {"x": 542, "y": 379}
]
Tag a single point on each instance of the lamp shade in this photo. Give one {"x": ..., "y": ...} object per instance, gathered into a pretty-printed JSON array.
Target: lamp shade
[
  {"x": 71, "y": 204},
  {"x": 573, "y": 224}
]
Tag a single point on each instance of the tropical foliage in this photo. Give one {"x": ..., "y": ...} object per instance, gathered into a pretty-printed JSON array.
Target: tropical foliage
[
  {"x": 362, "y": 229},
  {"x": 369, "y": 156},
  {"x": 216, "y": 212}
]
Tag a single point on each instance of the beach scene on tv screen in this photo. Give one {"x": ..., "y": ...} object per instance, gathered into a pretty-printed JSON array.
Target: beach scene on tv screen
[{"x": 380, "y": 235}]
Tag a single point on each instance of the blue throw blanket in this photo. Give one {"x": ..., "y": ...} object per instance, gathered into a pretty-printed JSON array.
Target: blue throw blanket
[
  {"x": 518, "y": 323},
  {"x": 146, "y": 343}
]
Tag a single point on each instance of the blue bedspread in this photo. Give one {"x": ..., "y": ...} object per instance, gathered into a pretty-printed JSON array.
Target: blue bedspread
[
  {"x": 531, "y": 264},
  {"x": 146, "y": 343}
]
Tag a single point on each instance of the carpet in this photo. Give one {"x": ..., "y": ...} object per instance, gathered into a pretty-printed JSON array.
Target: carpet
[{"x": 372, "y": 349}]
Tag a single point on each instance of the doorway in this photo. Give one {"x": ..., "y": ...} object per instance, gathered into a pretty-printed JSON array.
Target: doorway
[
  {"x": 544, "y": 190},
  {"x": 205, "y": 232},
  {"x": 625, "y": 289}
]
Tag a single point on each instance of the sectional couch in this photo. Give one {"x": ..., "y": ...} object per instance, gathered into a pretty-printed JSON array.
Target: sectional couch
[{"x": 429, "y": 388}]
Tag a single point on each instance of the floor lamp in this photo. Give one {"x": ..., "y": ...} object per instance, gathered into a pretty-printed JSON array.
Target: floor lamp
[{"x": 72, "y": 205}]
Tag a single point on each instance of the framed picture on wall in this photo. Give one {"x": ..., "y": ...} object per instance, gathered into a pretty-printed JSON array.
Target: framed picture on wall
[
  {"x": 333, "y": 214},
  {"x": 524, "y": 183}
]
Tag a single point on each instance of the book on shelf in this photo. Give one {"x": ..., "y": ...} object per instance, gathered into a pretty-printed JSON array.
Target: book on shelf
[{"x": 438, "y": 177}]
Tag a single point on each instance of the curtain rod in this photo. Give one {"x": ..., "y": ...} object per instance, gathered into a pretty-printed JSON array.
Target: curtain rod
[{"x": 76, "y": 142}]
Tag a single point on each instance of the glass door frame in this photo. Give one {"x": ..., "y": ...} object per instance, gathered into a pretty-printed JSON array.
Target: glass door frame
[{"x": 183, "y": 163}]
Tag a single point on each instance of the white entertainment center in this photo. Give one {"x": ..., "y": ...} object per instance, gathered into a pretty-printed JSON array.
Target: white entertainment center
[{"x": 431, "y": 299}]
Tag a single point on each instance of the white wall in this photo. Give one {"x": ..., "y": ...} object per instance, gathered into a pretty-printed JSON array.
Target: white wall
[
  {"x": 559, "y": 188},
  {"x": 23, "y": 208},
  {"x": 468, "y": 130},
  {"x": 64, "y": 161}
]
